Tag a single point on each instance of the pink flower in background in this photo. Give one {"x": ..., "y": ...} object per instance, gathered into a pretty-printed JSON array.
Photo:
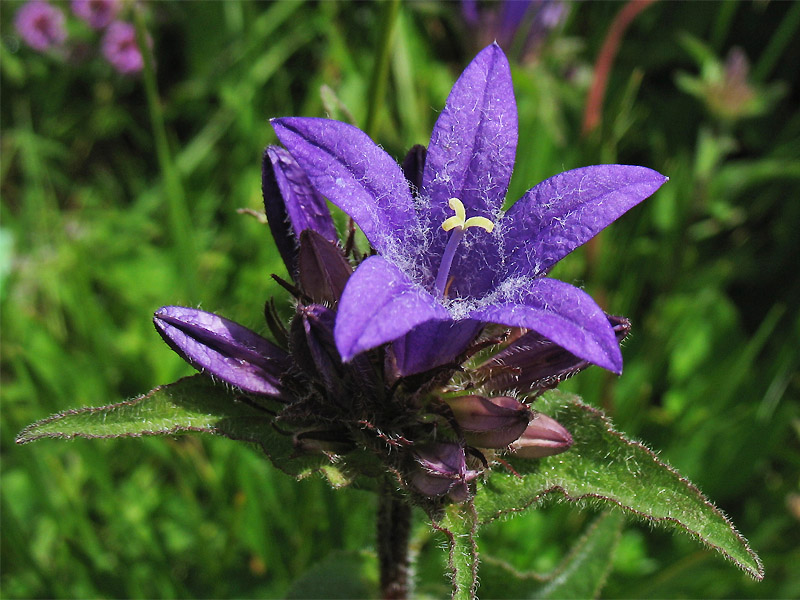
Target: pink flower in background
[
  {"x": 97, "y": 13},
  {"x": 40, "y": 25},
  {"x": 120, "y": 48}
]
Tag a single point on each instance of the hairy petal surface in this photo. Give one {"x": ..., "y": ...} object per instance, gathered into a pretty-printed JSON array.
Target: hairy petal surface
[
  {"x": 472, "y": 149},
  {"x": 223, "y": 348},
  {"x": 380, "y": 304},
  {"x": 292, "y": 204},
  {"x": 474, "y": 141},
  {"x": 567, "y": 210},
  {"x": 348, "y": 168},
  {"x": 564, "y": 315}
]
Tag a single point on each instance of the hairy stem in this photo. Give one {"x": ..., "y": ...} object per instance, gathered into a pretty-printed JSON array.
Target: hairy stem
[{"x": 394, "y": 526}]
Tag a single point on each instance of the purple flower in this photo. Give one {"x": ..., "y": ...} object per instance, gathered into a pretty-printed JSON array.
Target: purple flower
[
  {"x": 97, "y": 13},
  {"x": 449, "y": 259},
  {"x": 40, "y": 25},
  {"x": 508, "y": 20},
  {"x": 120, "y": 48}
]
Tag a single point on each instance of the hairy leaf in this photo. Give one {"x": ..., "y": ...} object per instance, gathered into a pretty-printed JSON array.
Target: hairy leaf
[
  {"x": 192, "y": 404},
  {"x": 604, "y": 468}
]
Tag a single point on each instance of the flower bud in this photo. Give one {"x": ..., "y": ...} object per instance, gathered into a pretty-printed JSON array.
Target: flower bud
[
  {"x": 533, "y": 362},
  {"x": 442, "y": 469},
  {"x": 490, "y": 422},
  {"x": 313, "y": 346},
  {"x": 223, "y": 348},
  {"x": 323, "y": 270},
  {"x": 543, "y": 437}
]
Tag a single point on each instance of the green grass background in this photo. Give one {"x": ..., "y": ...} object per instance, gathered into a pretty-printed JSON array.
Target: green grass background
[{"x": 98, "y": 231}]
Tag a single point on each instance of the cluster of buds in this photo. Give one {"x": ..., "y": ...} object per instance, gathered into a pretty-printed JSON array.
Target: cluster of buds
[{"x": 434, "y": 432}]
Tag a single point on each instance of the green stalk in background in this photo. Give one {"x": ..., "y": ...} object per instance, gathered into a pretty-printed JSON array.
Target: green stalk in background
[
  {"x": 380, "y": 72},
  {"x": 180, "y": 224}
]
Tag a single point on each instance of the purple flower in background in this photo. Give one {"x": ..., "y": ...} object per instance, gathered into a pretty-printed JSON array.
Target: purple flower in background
[
  {"x": 120, "y": 48},
  {"x": 450, "y": 260},
  {"x": 97, "y": 13},
  {"x": 40, "y": 25},
  {"x": 505, "y": 22}
]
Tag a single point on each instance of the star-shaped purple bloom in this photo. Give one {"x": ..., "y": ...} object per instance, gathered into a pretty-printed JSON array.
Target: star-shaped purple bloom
[{"x": 449, "y": 259}]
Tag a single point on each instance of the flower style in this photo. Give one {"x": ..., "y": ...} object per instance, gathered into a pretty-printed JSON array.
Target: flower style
[
  {"x": 40, "y": 25},
  {"x": 439, "y": 278}
]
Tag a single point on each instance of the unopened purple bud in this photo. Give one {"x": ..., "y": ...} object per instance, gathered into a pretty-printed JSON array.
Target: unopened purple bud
[
  {"x": 533, "y": 362},
  {"x": 40, "y": 25},
  {"x": 442, "y": 469},
  {"x": 543, "y": 437},
  {"x": 313, "y": 347},
  {"x": 414, "y": 167},
  {"x": 120, "y": 48},
  {"x": 323, "y": 270},
  {"x": 490, "y": 422},
  {"x": 223, "y": 348},
  {"x": 97, "y": 13}
]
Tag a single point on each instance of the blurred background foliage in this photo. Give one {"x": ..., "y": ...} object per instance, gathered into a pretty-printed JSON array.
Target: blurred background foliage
[{"x": 98, "y": 231}]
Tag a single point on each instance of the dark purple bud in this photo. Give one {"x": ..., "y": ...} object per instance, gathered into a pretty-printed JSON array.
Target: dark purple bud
[
  {"x": 442, "y": 469},
  {"x": 414, "y": 166},
  {"x": 223, "y": 348},
  {"x": 322, "y": 268},
  {"x": 313, "y": 346},
  {"x": 490, "y": 422},
  {"x": 533, "y": 362},
  {"x": 292, "y": 204},
  {"x": 543, "y": 437}
]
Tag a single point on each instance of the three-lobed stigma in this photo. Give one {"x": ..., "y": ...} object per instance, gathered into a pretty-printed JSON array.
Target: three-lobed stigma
[{"x": 460, "y": 218}]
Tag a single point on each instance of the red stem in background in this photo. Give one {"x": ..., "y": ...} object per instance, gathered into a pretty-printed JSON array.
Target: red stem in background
[{"x": 605, "y": 59}]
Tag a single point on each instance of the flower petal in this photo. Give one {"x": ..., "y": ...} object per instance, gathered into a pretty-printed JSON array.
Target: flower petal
[
  {"x": 348, "y": 168},
  {"x": 566, "y": 211},
  {"x": 474, "y": 141},
  {"x": 380, "y": 304},
  {"x": 292, "y": 204},
  {"x": 563, "y": 314},
  {"x": 432, "y": 344},
  {"x": 223, "y": 348}
]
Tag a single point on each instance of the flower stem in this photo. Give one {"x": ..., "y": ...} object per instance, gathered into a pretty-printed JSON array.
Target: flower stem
[
  {"x": 380, "y": 72},
  {"x": 178, "y": 212},
  {"x": 394, "y": 527}
]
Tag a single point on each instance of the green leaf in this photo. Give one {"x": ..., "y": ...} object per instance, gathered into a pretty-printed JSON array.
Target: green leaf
[
  {"x": 584, "y": 571},
  {"x": 339, "y": 575},
  {"x": 192, "y": 404},
  {"x": 603, "y": 468},
  {"x": 459, "y": 524}
]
